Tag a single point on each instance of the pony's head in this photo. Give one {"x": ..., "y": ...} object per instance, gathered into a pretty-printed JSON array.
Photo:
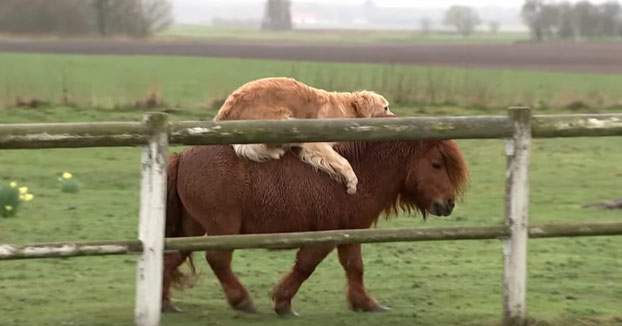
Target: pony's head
[{"x": 436, "y": 177}]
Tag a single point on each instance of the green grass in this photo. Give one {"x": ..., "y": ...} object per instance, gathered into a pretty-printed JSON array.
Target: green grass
[
  {"x": 194, "y": 82},
  {"x": 332, "y": 35},
  {"x": 571, "y": 281}
]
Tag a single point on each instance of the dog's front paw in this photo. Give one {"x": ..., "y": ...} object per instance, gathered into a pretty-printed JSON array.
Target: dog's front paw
[
  {"x": 277, "y": 153},
  {"x": 351, "y": 187}
]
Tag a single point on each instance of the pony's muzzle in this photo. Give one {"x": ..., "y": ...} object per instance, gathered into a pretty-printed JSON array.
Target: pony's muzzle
[{"x": 442, "y": 207}]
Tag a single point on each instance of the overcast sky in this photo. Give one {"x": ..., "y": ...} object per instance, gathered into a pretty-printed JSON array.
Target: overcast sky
[{"x": 410, "y": 3}]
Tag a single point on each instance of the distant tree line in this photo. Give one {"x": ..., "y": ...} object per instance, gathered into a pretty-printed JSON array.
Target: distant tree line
[
  {"x": 567, "y": 21},
  {"x": 135, "y": 18}
]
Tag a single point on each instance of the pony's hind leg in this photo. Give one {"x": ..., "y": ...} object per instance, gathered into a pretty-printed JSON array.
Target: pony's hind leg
[
  {"x": 307, "y": 260},
  {"x": 322, "y": 156},
  {"x": 173, "y": 260},
  {"x": 237, "y": 296},
  {"x": 352, "y": 262},
  {"x": 171, "y": 275}
]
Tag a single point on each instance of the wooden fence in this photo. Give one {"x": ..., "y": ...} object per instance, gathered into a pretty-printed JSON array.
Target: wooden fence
[{"x": 155, "y": 134}]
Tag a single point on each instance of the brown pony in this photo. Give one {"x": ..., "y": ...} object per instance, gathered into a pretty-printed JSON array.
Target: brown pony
[{"x": 212, "y": 191}]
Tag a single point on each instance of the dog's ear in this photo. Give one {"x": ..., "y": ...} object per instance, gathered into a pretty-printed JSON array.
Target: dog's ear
[{"x": 362, "y": 105}]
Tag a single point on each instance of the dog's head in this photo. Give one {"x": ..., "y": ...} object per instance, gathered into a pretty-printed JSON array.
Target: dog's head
[{"x": 369, "y": 104}]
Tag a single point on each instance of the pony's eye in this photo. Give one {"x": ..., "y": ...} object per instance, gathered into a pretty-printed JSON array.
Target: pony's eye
[
  {"x": 437, "y": 165},
  {"x": 386, "y": 108}
]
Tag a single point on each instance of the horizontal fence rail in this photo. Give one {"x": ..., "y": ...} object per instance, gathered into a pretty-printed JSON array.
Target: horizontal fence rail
[
  {"x": 69, "y": 249},
  {"x": 295, "y": 240},
  {"x": 111, "y": 134}
]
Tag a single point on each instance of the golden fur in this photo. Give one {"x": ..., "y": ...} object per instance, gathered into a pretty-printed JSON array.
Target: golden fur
[{"x": 287, "y": 98}]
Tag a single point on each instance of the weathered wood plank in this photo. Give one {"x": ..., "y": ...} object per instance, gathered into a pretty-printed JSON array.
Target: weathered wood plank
[
  {"x": 292, "y": 131},
  {"x": 323, "y": 238},
  {"x": 516, "y": 211},
  {"x": 575, "y": 230},
  {"x": 109, "y": 134},
  {"x": 57, "y": 250},
  {"x": 151, "y": 224},
  {"x": 72, "y": 135},
  {"x": 577, "y": 125},
  {"x": 294, "y": 240}
]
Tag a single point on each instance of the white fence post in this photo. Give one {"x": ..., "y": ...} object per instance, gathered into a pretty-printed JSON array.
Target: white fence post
[
  {"x": 516, "y": 211},
  {"x": 151, "y": 224}
]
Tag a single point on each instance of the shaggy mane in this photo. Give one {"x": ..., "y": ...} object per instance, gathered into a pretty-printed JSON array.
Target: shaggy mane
[{"x": 453, "y": 160}]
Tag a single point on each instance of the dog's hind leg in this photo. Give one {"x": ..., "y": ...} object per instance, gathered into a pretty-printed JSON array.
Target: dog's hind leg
[
  {"x": 258, "y": 152},
  {"x": 323, "y": 157}
]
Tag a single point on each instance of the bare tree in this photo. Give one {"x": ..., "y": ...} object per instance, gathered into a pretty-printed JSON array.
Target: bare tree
[
  {"x": 494, "y": 26},
  {"x": 154, "y": 16},
  {"x": 565, "y": 23},
  {"x": 610, "y": 18},
  {"x": 60, "y": 17},
  {"x": 532, "y": 16},
  {"x": 277, "y": 15},
  {"x": 425, "y": 25},
  {"x": 543, "y": 19},
  {"x": 586, "y": 19},
  {"x": 102, "y": 9},
  {"x": 463, "y": 18},
  {"x": 138, "y": 18}
]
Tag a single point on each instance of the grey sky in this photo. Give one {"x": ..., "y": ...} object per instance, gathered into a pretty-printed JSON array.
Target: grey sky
[
  {"x": 506, "y": 12},
  {"x": 392, "y": 3}
]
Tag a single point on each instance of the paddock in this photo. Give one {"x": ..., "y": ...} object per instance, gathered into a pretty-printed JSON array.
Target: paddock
[{"x": 155, "y": 134}]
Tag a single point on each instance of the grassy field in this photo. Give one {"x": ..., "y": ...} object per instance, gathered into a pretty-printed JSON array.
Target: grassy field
[
  {"x": 191, "y": 82},
  {"x": 356, "y": 36},
  {"x": 571, "y": 281}
]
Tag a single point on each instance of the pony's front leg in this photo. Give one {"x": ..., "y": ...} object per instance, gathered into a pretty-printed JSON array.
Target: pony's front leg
[
  {"x": 352, "y": 262},
  {"x": 307, "y": 260},
  {"x": 237, "y": 296}
]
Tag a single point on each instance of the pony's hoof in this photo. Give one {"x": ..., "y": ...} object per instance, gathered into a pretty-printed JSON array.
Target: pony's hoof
[
  {"x": 286, "y": 312},
  {"x": 246, "y": 306},
  {"x": 169, "y": 308}
]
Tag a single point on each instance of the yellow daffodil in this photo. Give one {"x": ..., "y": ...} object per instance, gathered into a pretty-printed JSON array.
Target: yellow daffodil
[
  {"x": 23, "y": 190},
  {"x": 28, "y": 197},
  {"x": 13, "y": 184},
  {"x": 8, "y": 208},
  {"x": 67, "y": 176}
]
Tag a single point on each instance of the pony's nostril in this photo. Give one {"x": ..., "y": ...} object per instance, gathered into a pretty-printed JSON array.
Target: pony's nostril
[
  {"x": 451, "y": 203},
  {"x": 438, "y": 207}
]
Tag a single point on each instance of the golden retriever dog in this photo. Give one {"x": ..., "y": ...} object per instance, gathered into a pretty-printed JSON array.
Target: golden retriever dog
[{"x": 287, "y": 98}]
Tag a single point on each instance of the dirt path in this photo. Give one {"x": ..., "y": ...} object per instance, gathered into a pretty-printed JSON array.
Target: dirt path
[{"x": 568, "y": 57}]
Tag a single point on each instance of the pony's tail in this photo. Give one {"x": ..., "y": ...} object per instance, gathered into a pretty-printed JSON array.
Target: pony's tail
[
  {"x": 173, "y": 202},
  {"x": 174, "y": 229}
]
